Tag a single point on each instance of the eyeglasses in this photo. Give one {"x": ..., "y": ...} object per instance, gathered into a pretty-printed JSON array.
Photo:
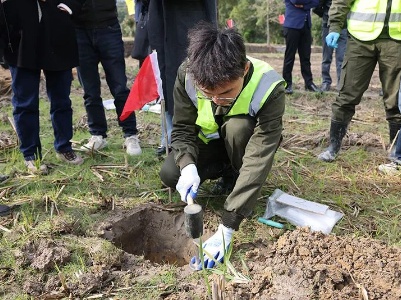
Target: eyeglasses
[{"x": 222, "y": 101}]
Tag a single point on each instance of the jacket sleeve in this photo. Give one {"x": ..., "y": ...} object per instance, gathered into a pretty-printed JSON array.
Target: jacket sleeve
[
  {"x": 338, "y": 12},
  {"x": 185, "y": 131},
  {"x": 259, "y": 154},
  {"x": 73, "y": 5},
  {"x": 311, "y": 4},
  {"x": 307, "y": 4}
]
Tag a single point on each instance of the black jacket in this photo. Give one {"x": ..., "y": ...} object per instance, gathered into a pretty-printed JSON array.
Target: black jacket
[
  {"x": 97, "y": 14},
  {"x": 3, "y": 33},
  {"x": 49, "y": 44},
  {"x": 168, "y": 25}
]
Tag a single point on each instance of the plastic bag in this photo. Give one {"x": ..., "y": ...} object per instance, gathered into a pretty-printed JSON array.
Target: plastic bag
[{"x": 301, "y": 212}]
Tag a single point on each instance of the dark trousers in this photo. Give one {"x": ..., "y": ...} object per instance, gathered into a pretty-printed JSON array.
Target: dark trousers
[
  {"x": 327, "y": 55},
  {"x": 104, "y": 45},
  {"x": 298, "y": 40},
  {"x": 218, "y": 157},
  {"x": 25, "y": 100}
]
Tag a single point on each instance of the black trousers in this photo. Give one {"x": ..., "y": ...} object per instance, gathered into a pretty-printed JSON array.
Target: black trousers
[
  {"x": 298, "y": 40},
  {"x": 218, "y": 158}
]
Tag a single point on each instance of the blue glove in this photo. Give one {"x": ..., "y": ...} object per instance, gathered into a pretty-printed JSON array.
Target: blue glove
[
  {"x": 332, "y": 39},
  {"x": 214, "y": 249}
]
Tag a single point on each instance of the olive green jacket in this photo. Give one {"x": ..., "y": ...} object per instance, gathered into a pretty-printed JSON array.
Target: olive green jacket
[
  {"x": 338, "y": 12},
  {"x": 259, "y": 153}
]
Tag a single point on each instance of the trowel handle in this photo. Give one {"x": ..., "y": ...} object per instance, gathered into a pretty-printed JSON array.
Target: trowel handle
[{"x": 191, "y": 195}]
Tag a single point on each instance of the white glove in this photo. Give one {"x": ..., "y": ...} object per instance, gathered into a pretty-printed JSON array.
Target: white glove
[
  {"x": 189, "y": 179},
  {"x": 214, "y": 249}
]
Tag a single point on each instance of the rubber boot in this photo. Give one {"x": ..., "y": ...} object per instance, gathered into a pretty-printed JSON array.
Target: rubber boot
[
  {"x": 337, "y": 133},
  {"x": 393, "y": 129}
]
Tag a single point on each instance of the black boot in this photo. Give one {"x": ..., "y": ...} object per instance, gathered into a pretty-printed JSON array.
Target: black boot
[
  {"x": 337, "y": 133},
  {"x": 393, "y": 129},
  {"x": 3, "y": 177},
  {"x": 226, "y": 183},
  {"x": 4, "y": 210}
]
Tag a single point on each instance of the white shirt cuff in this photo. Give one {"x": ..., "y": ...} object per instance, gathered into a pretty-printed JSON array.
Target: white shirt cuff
[{"x": 62, "y": 5}]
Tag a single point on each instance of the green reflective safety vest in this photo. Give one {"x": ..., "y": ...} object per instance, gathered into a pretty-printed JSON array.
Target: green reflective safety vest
[
  {"x": 262, "y": 83},
  {"x": 366, "y": 19}
]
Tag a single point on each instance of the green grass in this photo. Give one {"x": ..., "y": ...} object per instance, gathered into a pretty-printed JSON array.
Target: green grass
[{"x": 66, "y": 205}]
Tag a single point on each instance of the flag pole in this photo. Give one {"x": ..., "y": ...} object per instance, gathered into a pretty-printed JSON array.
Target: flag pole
[
  {"x": 164, "y": 122},
  {"x": 163, "y": 109}
]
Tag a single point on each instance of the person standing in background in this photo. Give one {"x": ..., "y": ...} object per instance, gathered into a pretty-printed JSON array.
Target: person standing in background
[
  {"x": 168, "y": 25},
  {"x": 298, "y": 37},
  {"x": 374, "y": 37},
  {"x": 141, "y": 48},
  {"x": 394, "y": 167},
  {"x": 40, "y": 36},
  {"x": 100, "y": 41},
  {"x": 327, "y": 52}
]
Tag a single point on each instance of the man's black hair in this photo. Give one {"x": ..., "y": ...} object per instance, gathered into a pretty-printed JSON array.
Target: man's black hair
[{"x": 215, "y": 56}]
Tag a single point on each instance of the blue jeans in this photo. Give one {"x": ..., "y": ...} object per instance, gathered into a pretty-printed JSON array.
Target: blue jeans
[
  {"x": 104, "y": 45},
  {"x": 25, "y": 100},
  {"x": 328, "y": 55}
]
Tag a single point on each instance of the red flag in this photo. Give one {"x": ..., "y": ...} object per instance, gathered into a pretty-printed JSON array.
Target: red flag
[
  {"x": 281, "y": 19},
  {"x": 146, "y": 86},
  {"x": 230, "y": 23}
]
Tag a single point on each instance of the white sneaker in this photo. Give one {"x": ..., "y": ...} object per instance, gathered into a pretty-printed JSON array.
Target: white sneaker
[
  {"x": 36, "y": 168},
  {"x": 326, "y": 156},
  {"x": 132, "y": 145},
  {"x": 96, "y": 142},
  {"x": 390, "y": 169}
]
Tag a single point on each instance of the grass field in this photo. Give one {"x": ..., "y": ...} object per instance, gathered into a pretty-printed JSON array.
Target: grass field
[{"x": 66, "y": 206}]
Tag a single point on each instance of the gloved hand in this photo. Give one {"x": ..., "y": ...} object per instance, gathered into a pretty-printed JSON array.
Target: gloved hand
[
  {"x": 189, "y": 179},
  {"x": 214, "y": 249},
  {"x": 332, "y": 39}
]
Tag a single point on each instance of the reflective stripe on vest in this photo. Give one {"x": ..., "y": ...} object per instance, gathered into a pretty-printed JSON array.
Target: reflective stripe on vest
[
  {"x": 366, "y": 19},
  {"x": 249, "y": 102}
]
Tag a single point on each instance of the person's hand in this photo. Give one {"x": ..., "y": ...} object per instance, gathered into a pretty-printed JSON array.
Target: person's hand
[
  {"x": 332, "y": 39},
  {"x": 189, "y": 179},
  {"x": 214, "y": 249}
]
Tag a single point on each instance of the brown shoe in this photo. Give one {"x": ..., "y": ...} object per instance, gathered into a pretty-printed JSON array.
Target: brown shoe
[{"x": 70, "y": 157}]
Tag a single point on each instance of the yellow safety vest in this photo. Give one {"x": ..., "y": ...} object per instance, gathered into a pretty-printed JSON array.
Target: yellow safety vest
[
  {"x": 366, "y": 19},
  {"x": 250, "y": 100}
]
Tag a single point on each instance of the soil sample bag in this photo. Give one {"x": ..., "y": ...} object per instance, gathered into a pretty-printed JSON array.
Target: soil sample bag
[{"x": 301, "y": 212}]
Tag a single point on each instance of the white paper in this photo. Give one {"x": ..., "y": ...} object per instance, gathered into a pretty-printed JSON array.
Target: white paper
[
  {"x": 109, "y": 104},
  {"x": 302, "y": 204}
]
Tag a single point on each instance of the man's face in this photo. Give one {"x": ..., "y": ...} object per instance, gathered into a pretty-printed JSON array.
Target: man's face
[{"x": 226, "y": 93}]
